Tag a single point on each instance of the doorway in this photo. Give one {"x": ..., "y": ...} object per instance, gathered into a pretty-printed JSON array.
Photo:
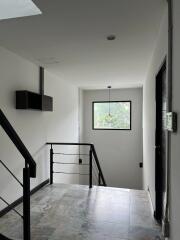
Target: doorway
[{"x": 160, "y": 142}]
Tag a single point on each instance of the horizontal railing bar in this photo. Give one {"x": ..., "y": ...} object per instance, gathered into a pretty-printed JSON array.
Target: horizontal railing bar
[
  {"x": 73, "y": 144},
  {"x": 73, "y": 154},
  {"x": 83, "y": 164},
  {"x": 11, "y": 173},
  {"x": 72, "y": 173},
  {"x": 92, "y": 148},
  {"x": 2, "y": 199}
]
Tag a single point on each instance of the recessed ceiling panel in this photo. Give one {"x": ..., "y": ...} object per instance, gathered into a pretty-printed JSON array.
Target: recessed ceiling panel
[{"x": 17, "y": 8}]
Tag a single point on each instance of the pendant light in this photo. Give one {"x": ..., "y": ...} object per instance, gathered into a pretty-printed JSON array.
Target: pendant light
[{"x": 109, "y": 116}]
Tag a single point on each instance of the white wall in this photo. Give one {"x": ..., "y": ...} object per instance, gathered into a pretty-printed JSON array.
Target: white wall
[
  {"x": 34, "y": 127},
  {"x": 119, "y": 151},
  {"x": 149, "y": 108},
  {"x": 149, "y": 119}
]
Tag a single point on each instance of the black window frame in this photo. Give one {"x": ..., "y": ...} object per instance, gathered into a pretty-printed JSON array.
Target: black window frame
[{"x": 113, "y": 129}]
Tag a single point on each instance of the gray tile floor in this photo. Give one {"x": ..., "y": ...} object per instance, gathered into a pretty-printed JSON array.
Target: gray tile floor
[{"x": 73, "y": 212}]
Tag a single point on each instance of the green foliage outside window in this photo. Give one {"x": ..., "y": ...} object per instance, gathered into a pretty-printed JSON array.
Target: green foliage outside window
[{"x": 113, "y": 115}]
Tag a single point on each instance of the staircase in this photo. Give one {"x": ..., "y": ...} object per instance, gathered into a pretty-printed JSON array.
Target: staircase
[
  {"x": 61, "y": 211},
  {"x": 29, "y": 171},
  {"x": 4, "y": 238}
]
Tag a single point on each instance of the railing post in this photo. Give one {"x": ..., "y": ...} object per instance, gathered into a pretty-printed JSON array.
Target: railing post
[
  {"x": 99, "y": 179},
  {"x": 51, "y": 165},
  {"x": 26, "y": 203},
  {"x": 98, "y": 165},
  {"x": 90, "y": 168}
]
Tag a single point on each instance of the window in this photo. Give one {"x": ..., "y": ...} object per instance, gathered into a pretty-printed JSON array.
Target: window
[{"x": 113, "y": 115}]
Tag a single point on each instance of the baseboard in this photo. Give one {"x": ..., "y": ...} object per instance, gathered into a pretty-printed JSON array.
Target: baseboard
[{"x": 20, "y": 200}]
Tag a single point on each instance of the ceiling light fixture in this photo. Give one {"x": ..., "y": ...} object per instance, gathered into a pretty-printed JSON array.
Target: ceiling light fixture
[
  {"x": 17, "y": 8},
  {"x": 111, "y": 37}
]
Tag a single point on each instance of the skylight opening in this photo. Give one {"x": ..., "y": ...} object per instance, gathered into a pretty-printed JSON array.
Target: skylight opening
[{"x": 17, "y": 8}]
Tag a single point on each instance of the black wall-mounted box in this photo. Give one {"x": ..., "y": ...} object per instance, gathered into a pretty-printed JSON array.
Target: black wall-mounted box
[
  {"x": 47, "y": 103},
  {"x": 29, "y": 100}
]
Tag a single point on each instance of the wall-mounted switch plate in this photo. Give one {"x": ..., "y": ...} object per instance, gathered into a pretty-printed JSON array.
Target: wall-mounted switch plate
[
  {"x": 171, "y": 121},
  {"x": 141, "y": 164}
]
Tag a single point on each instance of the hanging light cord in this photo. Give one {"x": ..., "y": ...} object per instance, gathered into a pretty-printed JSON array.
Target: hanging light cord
[{"x": 109, "y": 87}]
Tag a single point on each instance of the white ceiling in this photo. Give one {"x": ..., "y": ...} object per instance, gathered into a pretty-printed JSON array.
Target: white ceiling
[{"x": 69, "y": 39}]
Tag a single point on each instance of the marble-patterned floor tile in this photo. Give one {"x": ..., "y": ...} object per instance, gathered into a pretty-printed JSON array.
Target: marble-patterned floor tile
[
  {"x": 75, "y": 212},
  {"x": 141, "y": 233}
]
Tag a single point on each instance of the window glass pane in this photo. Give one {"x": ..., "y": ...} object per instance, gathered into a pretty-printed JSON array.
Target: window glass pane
[{"x": 116, "y": 115}]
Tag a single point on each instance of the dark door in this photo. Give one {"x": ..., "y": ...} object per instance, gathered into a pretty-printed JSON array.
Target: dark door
[{"x": 161, "y": 141}]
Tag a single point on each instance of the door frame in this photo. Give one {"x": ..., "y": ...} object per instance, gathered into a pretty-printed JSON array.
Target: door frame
[{"x": 159, "y": 202}]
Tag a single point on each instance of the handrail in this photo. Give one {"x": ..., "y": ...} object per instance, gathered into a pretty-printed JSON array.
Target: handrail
[
  {"x": 18, "y": 143},
  {"x": 92, "y": 153}
]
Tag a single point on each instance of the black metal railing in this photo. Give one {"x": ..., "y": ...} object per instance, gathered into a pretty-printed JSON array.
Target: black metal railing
[
  {"x": 95, "y": 173},
  {"x": 28, "y": 171},
  {"x": 3, "y": 200}
]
